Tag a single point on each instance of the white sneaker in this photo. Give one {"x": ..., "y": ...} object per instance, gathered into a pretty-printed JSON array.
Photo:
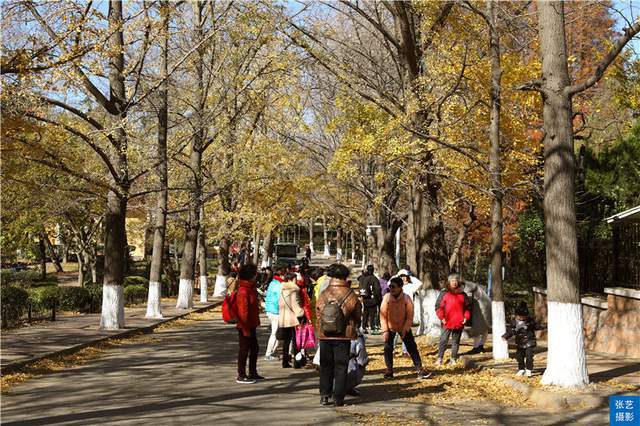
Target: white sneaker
[
  {"x": 527, "y": 373},
  {"x": 453, "y": 361},
  {"x": 520, "y": 373}
]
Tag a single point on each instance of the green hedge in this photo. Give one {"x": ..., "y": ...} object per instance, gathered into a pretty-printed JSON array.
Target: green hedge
[
  {"x": 23, "y": 277},
  {"x": 14, "y": 303},
  {"x": 43, "y": 298},
  {"x": 134, "y": 294},
  {"x": 136, "y": 280},
  {"x": 74, "y": 299},
  {"x": 95, "y": 297}
]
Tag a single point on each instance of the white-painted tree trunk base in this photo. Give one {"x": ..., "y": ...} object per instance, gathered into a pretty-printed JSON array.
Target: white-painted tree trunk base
[
  {"x": 264, "y": 264},
  {"x": 220, "y": 287},
  {"x": 185, "y": 294},
  {"x": 425, "y": 313},
  {"x": 154, "y": 307},
  {"x": 566, "y": 361},
  {"x": 498, "y": 327},
  {"x": 353, "y": 257},
  {"x": 326, "y": 250},
  {"x": 311, "y": 247},
  {"x": 112, "y": 315},
  {"x": 204, "y": 288},
  {"x": 339, "y": 255}
]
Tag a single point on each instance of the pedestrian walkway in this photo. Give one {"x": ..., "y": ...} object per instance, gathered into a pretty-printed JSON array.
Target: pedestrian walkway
[{"x": 73, "y": 332}]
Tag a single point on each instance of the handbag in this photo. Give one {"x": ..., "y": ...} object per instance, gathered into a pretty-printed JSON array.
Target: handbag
[{"x": 305, "y": 337}]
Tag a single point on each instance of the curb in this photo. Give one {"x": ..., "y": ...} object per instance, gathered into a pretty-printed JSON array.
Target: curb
[
  {"x": 18, "y": 365},
  {"x": 550, "y": 401}
]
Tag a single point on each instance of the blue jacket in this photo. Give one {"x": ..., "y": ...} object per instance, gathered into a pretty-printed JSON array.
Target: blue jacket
[{"x": 272, "y": 296}]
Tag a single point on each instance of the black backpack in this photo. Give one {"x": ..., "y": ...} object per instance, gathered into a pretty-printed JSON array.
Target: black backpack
[{"x": 332, "y": 320}]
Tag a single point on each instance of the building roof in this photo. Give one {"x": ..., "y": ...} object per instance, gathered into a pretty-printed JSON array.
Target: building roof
[{"x": 631, "y": 214}]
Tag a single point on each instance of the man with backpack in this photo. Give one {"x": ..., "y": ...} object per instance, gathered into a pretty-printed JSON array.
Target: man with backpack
[
  {"x": 248, "y": 320},
  {"x": 371, "y": 297},
  {"x": 338, "y": 313}
]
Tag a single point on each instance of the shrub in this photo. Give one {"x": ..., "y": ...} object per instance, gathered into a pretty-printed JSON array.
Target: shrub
[
  {"x": 21, "y": 278},
  {"x": 135, "y": 294},
  {"x": 74, "y": 298},
  {"x": 95, "y": 297},
  {"x": 135, "y": 280},
  {"x": 44, "y": 299},
  {"x": 15, "y": 301}
]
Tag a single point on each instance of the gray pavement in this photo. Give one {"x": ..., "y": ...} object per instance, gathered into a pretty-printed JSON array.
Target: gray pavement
[{"x": 72, "y": 332}]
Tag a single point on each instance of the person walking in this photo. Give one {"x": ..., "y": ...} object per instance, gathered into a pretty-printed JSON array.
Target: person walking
[
  {"x": 371, "y": 295},
  {"x": 396, "y": 317},
  {"x": 271, "y": 306},
  {"x": 290, "y": 314},
  {"x": 338, "y": 312},
  {"x": 307, "y": 253},
  {"x": 524, "y": 330},
  {"x": 454, "y": 312},
  {"x": 248, "y": 321}
]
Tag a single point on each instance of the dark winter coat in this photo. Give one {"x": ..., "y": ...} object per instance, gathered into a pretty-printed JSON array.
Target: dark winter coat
[
  {"x": 370, "y": 290},
  {"x": 524, "y": 331}
]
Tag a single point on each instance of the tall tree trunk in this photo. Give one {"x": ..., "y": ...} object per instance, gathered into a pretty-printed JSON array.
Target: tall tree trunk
[
  {"x": 256, "y": 246},
  {"x": 566, "y": 362},
  {"x": 187, "y": 266},
  {"x": 115, "y": 246},
  {"x": 500, "y": 348},
  {"x": 81, "y": 268},
  {"x": 52, "y": 251},
  {"x": 353, "y": 247},
  {"x": 223, "y": 268},
  {"x": 311, "y": 235},
  {"x": 154, "y": 300},
  {"x": 339, "y": 241},
  {"x": 112, "y": 316},
  {"x": 202, "y": 259},
  {"x": 268, "y": 248},
  {"x": 43, "y": 257},
  {"x": 326, "y": 238}
]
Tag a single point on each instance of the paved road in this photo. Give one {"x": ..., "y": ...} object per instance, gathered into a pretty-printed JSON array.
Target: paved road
[{"x": 187, "y": 376}]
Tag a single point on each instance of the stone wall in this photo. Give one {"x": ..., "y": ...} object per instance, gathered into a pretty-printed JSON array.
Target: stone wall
[{"x": 611, "y": 325}]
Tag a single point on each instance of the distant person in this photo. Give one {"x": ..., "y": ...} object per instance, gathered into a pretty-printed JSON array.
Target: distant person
[
  {"x": 453, "y": 311},
  {"x": 371, "y": 297},
  {"x": 307, "y": 253},
  {"x": 396, "y": 317},
  {"x": 524, "y": 329},
  {"x": 384, "y": 283},
  {"x": 271, "y": 306},
  {"x": 248, "y": 321},
  {"x": 338, "y": 313},
  {"x": 290, "y": 314}
]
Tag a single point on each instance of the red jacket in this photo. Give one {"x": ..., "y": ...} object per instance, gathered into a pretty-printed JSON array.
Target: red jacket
[
  {"x": 248, "y": 308},
  {"x": 453, "y": 308}
]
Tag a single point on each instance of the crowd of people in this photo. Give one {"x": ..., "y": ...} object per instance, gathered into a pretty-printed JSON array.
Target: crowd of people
[{"x": 314, "y": 308}]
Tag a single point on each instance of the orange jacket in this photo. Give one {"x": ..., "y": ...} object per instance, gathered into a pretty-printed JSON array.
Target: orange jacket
[
  {"x": 248, "y": 308},
  {"x": 396, "y": 314}
]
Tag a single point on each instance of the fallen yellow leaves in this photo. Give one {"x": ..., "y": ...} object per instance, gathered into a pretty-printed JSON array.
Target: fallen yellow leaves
[{"x": 448, "y": 384}]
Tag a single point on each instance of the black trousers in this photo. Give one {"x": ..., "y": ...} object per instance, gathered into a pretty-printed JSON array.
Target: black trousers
[
  {"x": 409, "y": 343},
  {"x": 334, "y": 360},
  {"x": 290, "y": 337},
  {"x": 455, "y": 342},
  {"x": 521, "y": 355},
  {"x": 248, "y": 347},
  {"x": 369, "y": 316}
]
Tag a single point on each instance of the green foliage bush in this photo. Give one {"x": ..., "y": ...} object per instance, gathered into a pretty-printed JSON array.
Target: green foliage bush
[
  {"x": 134, "y": 294},
  {"x": 14, "y": 303},
  {"x": 43, "y": 298},
  {"x": 136, "y": 280},
  {"x": 95, "y": 297},
  {"x": 21, "y": 278},
  {"x": 74, "y": 298}
]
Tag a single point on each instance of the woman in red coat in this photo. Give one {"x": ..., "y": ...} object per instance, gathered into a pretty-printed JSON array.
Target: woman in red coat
[
  {"x": 454, "y": 312},
  {"x": 248, "y": 321}
]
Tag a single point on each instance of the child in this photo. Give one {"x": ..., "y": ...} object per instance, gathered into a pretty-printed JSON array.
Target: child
[
  {"x": 357, "y": 364},
  {"x": 453, "y": 311},
  {"x": 523, "y": 327}
]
